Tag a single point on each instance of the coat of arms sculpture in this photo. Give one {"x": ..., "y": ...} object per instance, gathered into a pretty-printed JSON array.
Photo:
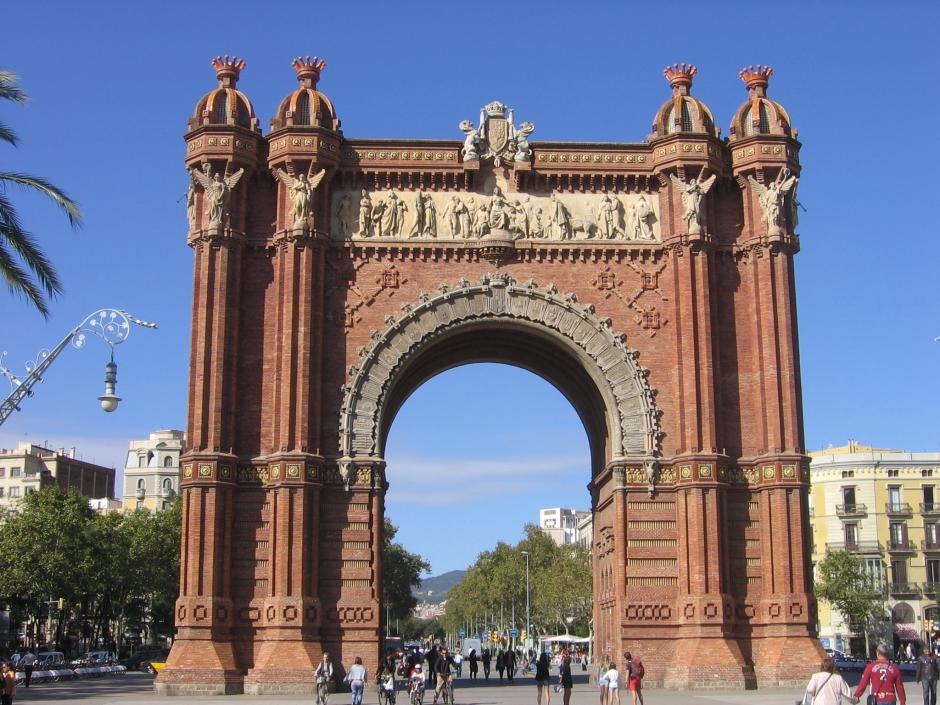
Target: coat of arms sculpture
[{"x": 496, "y": 137}]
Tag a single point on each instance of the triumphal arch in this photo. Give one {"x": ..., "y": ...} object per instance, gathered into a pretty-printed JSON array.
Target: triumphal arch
[{"x": 651, "y": 281}]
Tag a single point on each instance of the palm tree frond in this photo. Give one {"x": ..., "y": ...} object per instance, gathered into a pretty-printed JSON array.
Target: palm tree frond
[
  {"x": 60, "y": 198},
  {"x": 10, "y": 88},
  {"x": 20, "y": 283},
  {"x": 24, "y": 244},
  {"x": 8, "y": 135}
]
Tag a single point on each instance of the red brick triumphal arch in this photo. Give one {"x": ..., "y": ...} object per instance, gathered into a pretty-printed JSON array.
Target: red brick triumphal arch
[{"x": 651, "y": 282}]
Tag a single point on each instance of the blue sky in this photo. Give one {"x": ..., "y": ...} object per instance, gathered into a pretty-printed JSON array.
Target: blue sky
[{"x": 112, "y": 85}]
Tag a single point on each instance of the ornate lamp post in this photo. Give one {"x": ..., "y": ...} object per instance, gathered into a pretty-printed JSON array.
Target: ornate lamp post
[{"x": 111, "y": 325}]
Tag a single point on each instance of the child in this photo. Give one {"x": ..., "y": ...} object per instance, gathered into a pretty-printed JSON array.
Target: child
[{"x": 613, "y": 685}]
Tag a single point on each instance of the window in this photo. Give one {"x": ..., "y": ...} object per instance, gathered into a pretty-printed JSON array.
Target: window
[
  {"x": 899, "y": 572},
  {"x": 140, "y": 504},
  {"x": 220, "y": 109},
  {"x": 926, "y": 472},
  {"x": 141, "y": 461},
  {"x": 848, "y": 473},
  {"x": 898, "y": 531},
  {"x": 851, "y": 535},
  {"x": 14, "y": 491},
  {"x": 141, "y": 484},
  {"x": 930, "y": 534},
  {"x": 3, "y": 472},
  {"x": 928, "y": 497},
  {"x": 892, "y": 473},
  {"x": 30, "y": 490},
  {"x": 168, "y": 461},
  {"x": 1, "y": 491},
  {"x": 874, "y": 569},
  {"x": 848, "y": 498},
  {"x": 166, "y": 505},
  {"x": 933, "y": 570},
  {"x": 894, "y": 499},
  {"x": 167, "y": 483},
  {"x": 16, "y": 472},
  {"x": 302, "y": 110}
]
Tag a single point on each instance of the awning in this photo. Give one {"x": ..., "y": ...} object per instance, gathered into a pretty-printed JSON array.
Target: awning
[{"x": 907, "y": 632}]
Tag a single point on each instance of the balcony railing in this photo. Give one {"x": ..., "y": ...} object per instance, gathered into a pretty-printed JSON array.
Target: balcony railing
[
  {"x": 904, "y": 589},
  {"x": 930, "y": 545},
  {"x": 931, "y": 589},
  {"x": 855, "y": 546},
  {"x": 141, "y": 493},
  {"x": 167, "y": 492},
  {"x": 902, "y": 508},
  {"x": 851, "y": 510},
  {"x": 904, "y": 546},
  {"x": 929, "y": 508}
]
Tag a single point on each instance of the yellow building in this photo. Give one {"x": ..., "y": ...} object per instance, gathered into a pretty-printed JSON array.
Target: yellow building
[{"x": 883, "y": 505}]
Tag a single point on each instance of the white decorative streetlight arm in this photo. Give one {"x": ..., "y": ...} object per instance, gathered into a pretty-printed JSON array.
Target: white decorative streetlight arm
[{"x": 111, "y": 325}]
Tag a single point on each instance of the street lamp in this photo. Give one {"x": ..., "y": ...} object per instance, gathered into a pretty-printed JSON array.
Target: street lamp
[
  {"x": 110, "y": 324},
  {"x": 528, "y": 620}
]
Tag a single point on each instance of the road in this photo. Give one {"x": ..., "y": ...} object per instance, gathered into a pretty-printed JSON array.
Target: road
[{"x": 137, "y": 689}]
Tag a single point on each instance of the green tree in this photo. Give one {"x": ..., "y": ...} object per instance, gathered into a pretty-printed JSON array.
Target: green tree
[
  {"x": 401, "y": 572},
  {"x": 843, "y": 582},
  {"x": 20, "y": 254}
]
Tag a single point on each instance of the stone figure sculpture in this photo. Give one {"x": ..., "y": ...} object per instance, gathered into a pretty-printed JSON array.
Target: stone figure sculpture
[
  {"x": 378, "y": 218},
  {"x": 471, "y": 140},
  {"x": 520, "y": 218},
  {"x": 343, "y": 213},
  {"x": 642, "y": 219},
  {"x": 608, "y": 217},
  {"x": 392, "y": 217},
  {"x": 523, "y": 150},
  {"x": 498, "y": 217},
  {"x": 537, "y": 227},
  {"x": 480, "y": 213},
  {"x": 365, "y": 214},
  {"x": 430, "y": 217},
  {"x": 218, "y": 191},
  {"x": 463, "y": 218},
  {"x": 771, "y": 199},
  {"x": 451, "y": 216},
  {"x": 418, "y": 227},
  {"x": 692, "y": 194},
  {"x": 191, "y": 205},
  {"x": 559, "y": 222},
  {"x": 300, "y": 190}
]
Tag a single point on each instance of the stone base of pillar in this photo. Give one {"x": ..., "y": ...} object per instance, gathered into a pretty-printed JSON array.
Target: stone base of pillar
[
  {"x": 200, "y": 667},
  {"x": 708, "y": 662},
  {"x": 284, "y": 668},
  {"x": 786, "y": 661}
]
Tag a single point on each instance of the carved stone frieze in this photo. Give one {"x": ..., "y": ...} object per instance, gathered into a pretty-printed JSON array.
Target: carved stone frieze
[
  {"x": 458, "y": 216},
  {"x": 636, "y": 429}
]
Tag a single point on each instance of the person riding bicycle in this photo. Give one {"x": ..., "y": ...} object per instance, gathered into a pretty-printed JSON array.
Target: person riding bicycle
[
  {"x": 387, "y": 686},
  {"x": 416, "y": 683},
  {"x": 442, "y": 669}
]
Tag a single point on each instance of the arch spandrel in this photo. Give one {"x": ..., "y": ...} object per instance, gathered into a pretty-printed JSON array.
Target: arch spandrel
[{"x": 633, "y": 421}]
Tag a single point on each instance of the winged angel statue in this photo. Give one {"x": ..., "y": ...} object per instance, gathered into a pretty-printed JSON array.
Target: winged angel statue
[
  {"x": 218, "y": 190},
  {"x": 693, "y": 192},
  {"x": 772, "y": 197},
  {"x": 301, "y": 191}
]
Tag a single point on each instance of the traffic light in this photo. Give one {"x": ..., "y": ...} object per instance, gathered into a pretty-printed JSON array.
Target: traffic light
[
  {"x": 61, "y": 603},
  {"x": 524, "y": 635}
]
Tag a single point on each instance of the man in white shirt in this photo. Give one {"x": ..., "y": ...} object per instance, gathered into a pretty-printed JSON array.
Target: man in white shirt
[{"x": 27, "y": 662}]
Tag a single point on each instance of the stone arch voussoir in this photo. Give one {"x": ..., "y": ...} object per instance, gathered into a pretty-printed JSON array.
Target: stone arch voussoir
[{"x": 630, "y": 399}]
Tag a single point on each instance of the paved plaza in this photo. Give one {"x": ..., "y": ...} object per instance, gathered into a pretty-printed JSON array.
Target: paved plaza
[{"x": 137, "y": 689}]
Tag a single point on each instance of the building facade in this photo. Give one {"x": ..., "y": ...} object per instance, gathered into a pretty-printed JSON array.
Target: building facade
[
  {"x": 562, "y": 524},
  {"x": 152, "y": 471},
  {"x": 652, "y": 282},
  {"x": 29, "y": 467},
  {"x": 884, "y": 506}
]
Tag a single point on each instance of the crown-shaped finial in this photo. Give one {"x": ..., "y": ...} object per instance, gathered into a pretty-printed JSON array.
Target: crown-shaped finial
[
  {"x": 680, "y": 76},
  {"x": 308, "y": 69},
  {"x": 756, "y": 76},
  {"x": 227, "y": 69}
]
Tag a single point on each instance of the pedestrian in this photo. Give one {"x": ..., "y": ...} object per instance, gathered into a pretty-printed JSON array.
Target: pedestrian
[
  {"x": 510, "y": 661},
  {"x": 458, "y": 663},
  {"x": 564, "y": 676},
  {"x": 7, "y": 684},
  {"x": 356, "y": 678},
  {"x": 602, "y": 671},
  {"x": 634, "y": 672},
  {"x": 829, "y": 688},
  {"x": 500, "y": 663},
  {"x": 613, "y": 684},
  {"x": 324, "y": 679},
  {"x": 27, "y": 663},
  {"x": 928, "y": 670},
  {"x": 541, "y": 680},
  {"x": 885, "y": 679},
  {"x": 486, "y": 657},
  {"x": 431, "y": 656},
  {"x": 473, "y": 659}
]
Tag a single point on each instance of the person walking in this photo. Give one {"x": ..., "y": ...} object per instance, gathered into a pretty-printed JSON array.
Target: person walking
[
  {"x": 7, "y": 684},
  {"x": 431, "y": 656},
  {"x": 634, "y": 672},
  {"x": 500, "y": 663},
  {"x": 28, "y": 662},
  {"x": 458, "y": 663},
  {"x": 324, "y": 678},
  {"x": 613, "y": 684},
  {"x": 357, "y": 680},
  {"x": 486, "y": 657},
  {"x": 884, "y": 678},
  {"x": 510, "y": 661},
  {"x": 602, "y": 671},
  {"x": 564, "y": 676},
  {"x": 828, "y": 687},
  {"x": 541, "y": 680},
  {"x": 928, "y": 670},
  {"x": 473, "y": 660}
]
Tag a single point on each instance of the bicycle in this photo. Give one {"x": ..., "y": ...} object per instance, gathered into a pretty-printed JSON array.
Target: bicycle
[
  {"x": 417, "y": 694},
  {"x": 447, "y": 692}
]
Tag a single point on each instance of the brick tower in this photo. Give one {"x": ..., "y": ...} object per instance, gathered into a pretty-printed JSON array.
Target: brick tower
[{"x": 651, "y": 282}]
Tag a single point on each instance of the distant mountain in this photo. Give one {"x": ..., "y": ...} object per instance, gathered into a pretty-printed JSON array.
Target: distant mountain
[{"x": 434, "y": 590}]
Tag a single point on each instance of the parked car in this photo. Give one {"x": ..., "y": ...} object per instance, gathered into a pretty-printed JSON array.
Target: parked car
[
  {"x": 50, "y": 660},
  {"x": 143, "y": 656},
  {"x": 93, "y": 658}
]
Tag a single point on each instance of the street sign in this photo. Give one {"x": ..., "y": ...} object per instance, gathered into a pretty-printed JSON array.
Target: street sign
[
  {"x": 514, "y": 633},
  {"x": 461, "y": 633}
]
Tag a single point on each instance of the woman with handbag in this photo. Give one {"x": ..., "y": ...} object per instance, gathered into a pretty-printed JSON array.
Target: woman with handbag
[{"x": 827, "y": 687}]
